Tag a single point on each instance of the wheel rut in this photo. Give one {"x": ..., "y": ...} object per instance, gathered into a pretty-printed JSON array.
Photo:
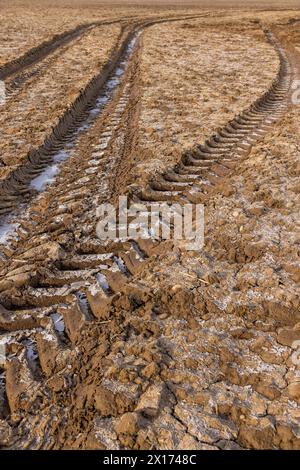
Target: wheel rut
[
  {"x": 40, "y": 52},
  {"x": 55, "y": 279},
  {"x": 15, "y": 187}
]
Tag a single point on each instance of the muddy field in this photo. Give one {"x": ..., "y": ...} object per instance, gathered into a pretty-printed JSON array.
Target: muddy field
[{"x": 143, "y": 343}]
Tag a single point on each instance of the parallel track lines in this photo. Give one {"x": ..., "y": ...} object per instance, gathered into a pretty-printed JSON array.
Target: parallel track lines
[
  {"x": 45, "y": 309},
  {"x": 14, "y": 188},
  {"x": 41, "y": 51}
]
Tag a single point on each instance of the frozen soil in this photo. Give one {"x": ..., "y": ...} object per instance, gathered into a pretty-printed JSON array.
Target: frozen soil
[
  {"x": 199, "y": 353},
  {"x": 195, "y": 79},
  {"x": 193, "y": 350},
  {"x": 43, "y": 101},
  {"x": 22, "y": 29},
  {"x": 25, "y": 26}
]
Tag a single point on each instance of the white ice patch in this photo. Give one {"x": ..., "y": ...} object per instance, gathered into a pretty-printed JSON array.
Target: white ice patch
[
  {"x": 48, "y": 337},
  {"x": 58, "y": 322},
  {"x": 103, "y": 145},
  {"x": 112, "y": 83},
  {"x": 120, "y": 263},
  {"x": 83, "y": 303},
  {"x": 2, "y": 93},
  {"x": 46, "y": 177},
  {"x": 102, "y": 101},
  {"x": 31, "y": 352},
  {"x": 119, "y": 71},
  {"x": 7, "y": 230},
  {"x": 101, "y": 279},
  {"x": 94, "y": 161},
  {"x": 61, "y": 156},
  {"x": 90, "y": 171},
  {"x": 94, "y": 290},
  {"x": 86, "y": 179}
]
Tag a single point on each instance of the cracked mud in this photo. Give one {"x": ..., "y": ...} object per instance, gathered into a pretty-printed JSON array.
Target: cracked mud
[{"x": 143, "y": 344}]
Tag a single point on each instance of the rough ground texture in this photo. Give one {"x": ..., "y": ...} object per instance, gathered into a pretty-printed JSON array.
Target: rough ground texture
[
  {"x": 27, "y": 26},
  {"x": 143, "y": 344},
  {"x": 43, "y": 101},
  {"x": 196, "y": 79}
]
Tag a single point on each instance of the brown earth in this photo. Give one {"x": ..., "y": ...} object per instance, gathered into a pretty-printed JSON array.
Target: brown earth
[
  {"x": 42, "y": 102},
  {"x": 145, "y": 344}
]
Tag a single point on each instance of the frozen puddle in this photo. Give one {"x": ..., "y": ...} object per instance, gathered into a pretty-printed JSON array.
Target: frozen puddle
[
  {"x": 48, "y": 175},
  {"x": 40, "y": 182}
]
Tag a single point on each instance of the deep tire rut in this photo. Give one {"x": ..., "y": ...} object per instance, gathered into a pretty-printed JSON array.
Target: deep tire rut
[
  {"x": 41, "y": 51},
  {"x": 45, "y": 305}
]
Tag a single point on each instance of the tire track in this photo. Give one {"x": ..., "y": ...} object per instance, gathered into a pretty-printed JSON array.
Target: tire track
[
  {"x": 14, "y": 73},
  {"x": 15, "y": 187},
  {"x": 46, "y": 48},
  {"x": 220, "y": 153},
  {"x": 45, "y": 308},
  {"x": 16, "y": 82}
]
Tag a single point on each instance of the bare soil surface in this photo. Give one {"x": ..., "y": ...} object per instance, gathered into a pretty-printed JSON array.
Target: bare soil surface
[
  {"x": 194, "y": 80},
  {"x": 144, "y": 344},
  {"x": 43, "y": 101}
]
